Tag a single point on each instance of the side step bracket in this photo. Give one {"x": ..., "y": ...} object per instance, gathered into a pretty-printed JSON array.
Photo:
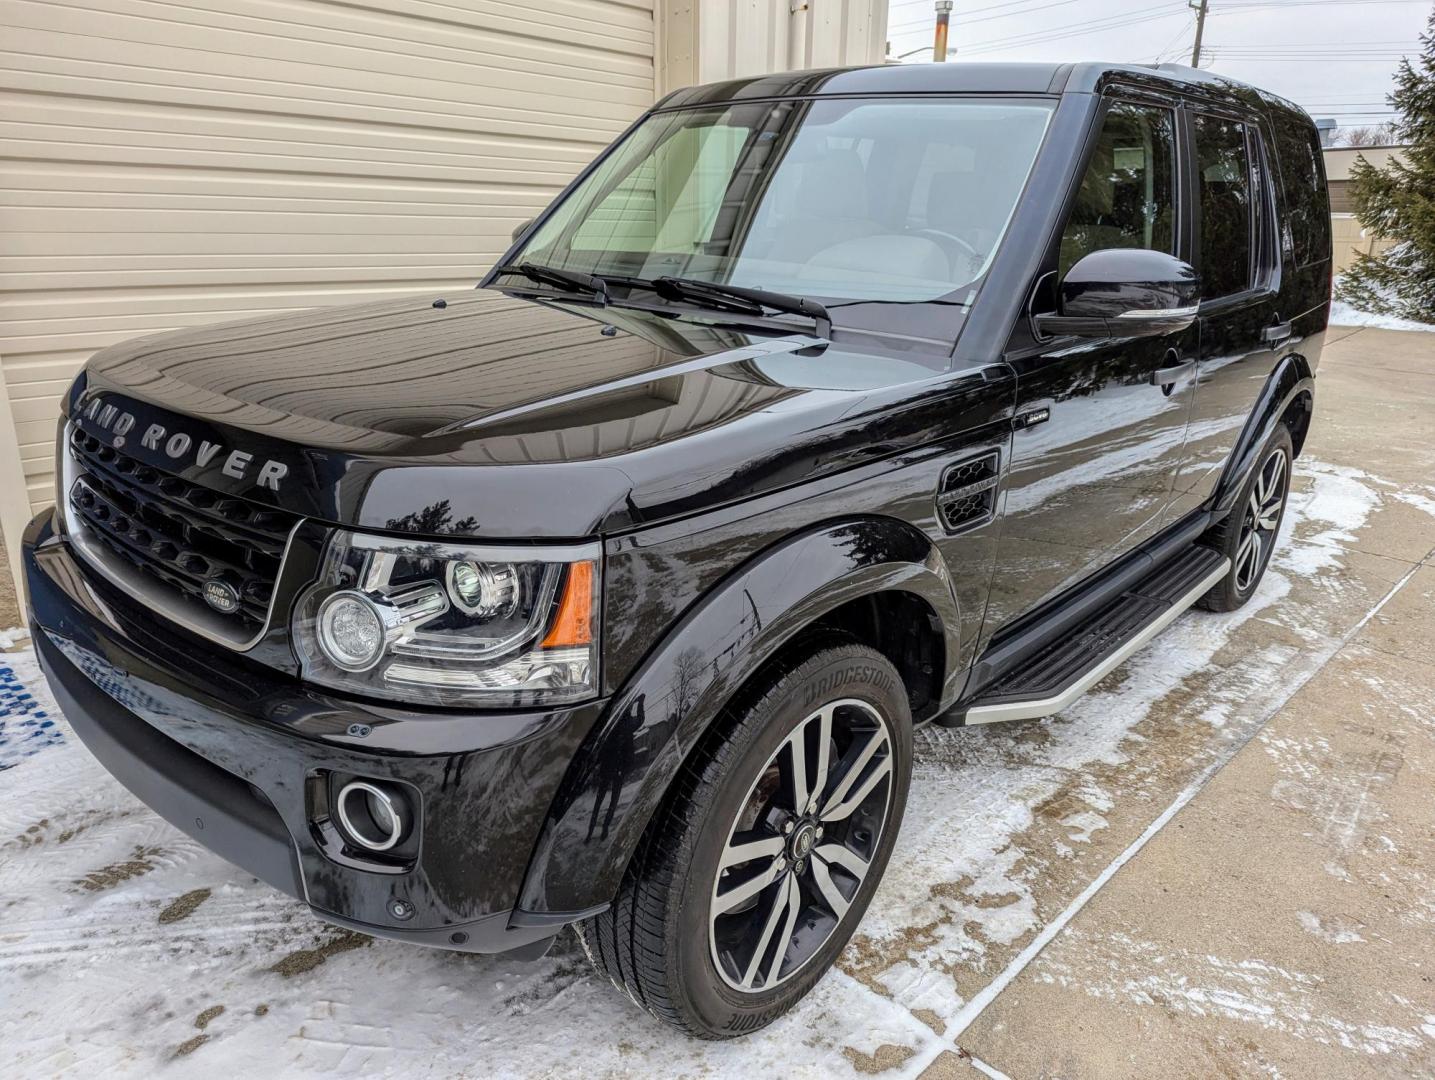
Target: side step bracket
[{"x": 1064, "y": 670}]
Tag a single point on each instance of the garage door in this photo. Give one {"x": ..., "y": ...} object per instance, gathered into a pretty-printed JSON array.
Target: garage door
[{"x": 174, "y": 163}]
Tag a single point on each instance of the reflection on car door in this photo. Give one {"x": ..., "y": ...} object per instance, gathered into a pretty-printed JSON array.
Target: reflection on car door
[
  {"x": 1093, "y": 480},
  {"x": 1241, "y": 331}
]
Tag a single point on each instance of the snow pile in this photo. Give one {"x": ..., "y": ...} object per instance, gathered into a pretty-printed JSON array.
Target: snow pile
[{"x": 1342, "y": 314}]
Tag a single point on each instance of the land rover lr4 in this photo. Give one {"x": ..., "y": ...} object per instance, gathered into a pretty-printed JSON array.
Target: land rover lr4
[{"x": 821, "y": 406}]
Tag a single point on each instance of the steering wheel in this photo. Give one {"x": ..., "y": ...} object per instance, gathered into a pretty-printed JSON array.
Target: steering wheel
[{"x": 948, "y": 241}]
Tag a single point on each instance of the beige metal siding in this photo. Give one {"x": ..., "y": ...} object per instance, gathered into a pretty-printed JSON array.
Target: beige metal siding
[
  {"x": 167, "y": 164},
  {"x": 708, "y": 40},
  {"x": 1348, "y": 239}
]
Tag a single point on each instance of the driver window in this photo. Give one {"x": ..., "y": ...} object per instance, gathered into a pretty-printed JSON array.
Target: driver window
[{"x": 1127, "y": 196}]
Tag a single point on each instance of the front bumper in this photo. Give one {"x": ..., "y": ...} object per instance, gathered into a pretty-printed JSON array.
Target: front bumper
[{"x": 229, "y": 751}]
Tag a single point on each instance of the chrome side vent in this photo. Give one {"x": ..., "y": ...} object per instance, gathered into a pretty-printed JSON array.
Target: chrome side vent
[{"x": 967, "y": 496}]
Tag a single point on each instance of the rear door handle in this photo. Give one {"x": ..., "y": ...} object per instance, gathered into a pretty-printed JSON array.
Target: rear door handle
[
  {"x": 1274, "y": 335},
  {"x": 1170, "y": 376}
]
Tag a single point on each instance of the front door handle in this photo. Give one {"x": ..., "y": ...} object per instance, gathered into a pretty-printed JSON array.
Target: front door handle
[
  {"x": 1168, "y": 377},
  {"x": 1274, "y": 335}
]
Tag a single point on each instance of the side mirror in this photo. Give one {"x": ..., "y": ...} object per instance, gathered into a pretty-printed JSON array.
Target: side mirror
[
  {"x": 521, "y": 228},
  {"x": 1124, "y": 292}
]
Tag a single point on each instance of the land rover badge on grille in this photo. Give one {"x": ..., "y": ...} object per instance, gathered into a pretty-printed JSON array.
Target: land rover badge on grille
[{"x": 221, "y": 596}]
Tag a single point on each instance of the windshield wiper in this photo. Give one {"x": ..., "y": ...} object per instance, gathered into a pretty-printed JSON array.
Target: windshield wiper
[
  {"x": 563, "y": 279},
  {"x": 741, "y": 299}
]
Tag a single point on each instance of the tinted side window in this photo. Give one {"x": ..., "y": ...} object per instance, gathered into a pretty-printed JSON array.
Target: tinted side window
[
  {"x": 1224, "y": 166},
  {"x": 1127, "y": 196},
  {"x": 1306, "y": 235}
]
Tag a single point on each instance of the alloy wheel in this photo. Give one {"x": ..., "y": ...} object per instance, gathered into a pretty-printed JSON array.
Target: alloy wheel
[
  {"x": 800, "y": 846},
  {"x": 1261, "y": 519}
]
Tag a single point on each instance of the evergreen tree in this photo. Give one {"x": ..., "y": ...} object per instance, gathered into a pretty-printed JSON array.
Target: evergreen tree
[{"x": 1397, "y": 202}]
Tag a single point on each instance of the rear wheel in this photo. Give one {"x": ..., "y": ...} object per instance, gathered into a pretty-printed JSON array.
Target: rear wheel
[
  {"x": 758, "y": 869},
  {"x": 1248, "y": 536}
]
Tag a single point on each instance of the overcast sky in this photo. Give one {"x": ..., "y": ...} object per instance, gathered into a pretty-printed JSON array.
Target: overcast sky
[{"x": 1335, "y": 57}]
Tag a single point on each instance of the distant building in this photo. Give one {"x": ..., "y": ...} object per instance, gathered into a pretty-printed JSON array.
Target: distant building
[{"x": 1347, "y": 234}]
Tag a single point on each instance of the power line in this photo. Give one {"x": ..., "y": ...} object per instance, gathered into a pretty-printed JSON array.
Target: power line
[
  {"x": 965, "y": 19},
  {"x": 1104, "y": 23},
  {"x": 973, "y": 11},
  {"x": 1312, "y": 53},
  {"x": 1306, "y": 59},
  {"x": 1301, "y": 45},
  {"x": 1229, "y": 6},
  {"x": 1077, "y": 29},
  {"x": 1173, "y": 46}
]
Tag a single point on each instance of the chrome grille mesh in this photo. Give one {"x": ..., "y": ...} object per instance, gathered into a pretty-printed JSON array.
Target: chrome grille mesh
[{"x": 178, "y": 533}]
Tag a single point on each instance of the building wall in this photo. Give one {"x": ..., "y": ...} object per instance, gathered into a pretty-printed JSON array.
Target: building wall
[
  {"x": 710, "y": 40},
  {"x": 1348, "y": 238},
  {"x": 166, "y": 165}
]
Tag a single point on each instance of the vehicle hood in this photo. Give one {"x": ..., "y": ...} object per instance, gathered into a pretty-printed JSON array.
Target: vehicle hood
[{"x": 493, "y": 415}]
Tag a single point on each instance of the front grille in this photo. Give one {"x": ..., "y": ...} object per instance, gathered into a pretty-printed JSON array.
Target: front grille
[{"x": 178, "y": 533}]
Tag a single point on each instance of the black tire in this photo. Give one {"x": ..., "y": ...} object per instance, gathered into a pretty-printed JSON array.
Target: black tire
[
  {"x": 1234, "y": 533},
  {"x": 659, "y": 941}
]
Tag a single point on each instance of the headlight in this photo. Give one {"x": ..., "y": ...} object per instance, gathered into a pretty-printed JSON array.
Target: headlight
[{"x": 452, "y": 624}]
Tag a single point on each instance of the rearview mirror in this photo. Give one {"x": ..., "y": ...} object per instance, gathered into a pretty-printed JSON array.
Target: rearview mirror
[
  {"x": 1124, "y": 292},
  {"x": 521, "y": 228}
]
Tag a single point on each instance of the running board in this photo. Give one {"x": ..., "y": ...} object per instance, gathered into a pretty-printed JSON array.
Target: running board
[{"x": 1062, "y": 672}]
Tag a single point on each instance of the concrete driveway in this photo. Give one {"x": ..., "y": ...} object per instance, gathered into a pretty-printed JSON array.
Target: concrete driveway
[{"x": 1221, "y": 861}]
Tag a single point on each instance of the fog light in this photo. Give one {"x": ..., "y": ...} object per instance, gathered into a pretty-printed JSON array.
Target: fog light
[
  {"x": 371, "y": 816},
  {"x": 351, "y": 631}
]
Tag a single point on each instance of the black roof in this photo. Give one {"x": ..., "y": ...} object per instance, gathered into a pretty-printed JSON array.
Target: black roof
[{"x": 963, "y": 77}]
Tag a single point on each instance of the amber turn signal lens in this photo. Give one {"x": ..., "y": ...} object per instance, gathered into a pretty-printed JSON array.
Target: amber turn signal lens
[{"x": 574, "y": 623}]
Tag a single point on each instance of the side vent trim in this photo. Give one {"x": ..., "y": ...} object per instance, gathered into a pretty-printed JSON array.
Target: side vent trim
[{"x": 967, "y": 495}]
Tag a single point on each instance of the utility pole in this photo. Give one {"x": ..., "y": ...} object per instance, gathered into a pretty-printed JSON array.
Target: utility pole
[
  {"x": 944, "y": 17},
  {"x": 1200, "y": 10}
]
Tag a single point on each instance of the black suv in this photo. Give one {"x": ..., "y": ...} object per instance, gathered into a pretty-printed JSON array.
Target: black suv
[{"x": 821, "y": 406}]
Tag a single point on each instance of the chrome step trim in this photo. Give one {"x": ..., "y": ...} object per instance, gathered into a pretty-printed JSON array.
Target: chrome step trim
[{"x": 1031, "y": 710}]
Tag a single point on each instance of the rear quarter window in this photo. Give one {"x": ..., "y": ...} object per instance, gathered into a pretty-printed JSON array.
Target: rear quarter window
[{"x": 1305, "y": 232}]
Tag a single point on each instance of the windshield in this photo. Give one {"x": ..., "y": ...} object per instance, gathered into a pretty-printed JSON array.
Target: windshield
[{"x": 870, "y": 199}]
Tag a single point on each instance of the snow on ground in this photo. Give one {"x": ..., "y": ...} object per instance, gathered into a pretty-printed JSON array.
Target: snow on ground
[
  {"x": 1342, "y": 314},
  {"x": 125, "y": 946}
]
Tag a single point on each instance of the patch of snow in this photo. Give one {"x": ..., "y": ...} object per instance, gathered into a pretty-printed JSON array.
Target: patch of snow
[
  {"x": 1332, "y": 930},
  {"x": 1342, "y": 314},
  {"x": 1251, "y": 990},
  {"x": 13, "y": 636},
  {"x": 1328, "y": 505},
  {"x": 1417, "y": 500},
  {"x": 1081, "y": 826}
]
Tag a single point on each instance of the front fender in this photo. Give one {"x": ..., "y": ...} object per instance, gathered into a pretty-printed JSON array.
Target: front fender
[
  {"x": 1291, "y": 378},
  {"x": 624, "y": 769}
]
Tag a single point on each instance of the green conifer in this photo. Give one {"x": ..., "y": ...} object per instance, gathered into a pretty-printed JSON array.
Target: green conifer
[{"x": 1397, "y": 202}]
